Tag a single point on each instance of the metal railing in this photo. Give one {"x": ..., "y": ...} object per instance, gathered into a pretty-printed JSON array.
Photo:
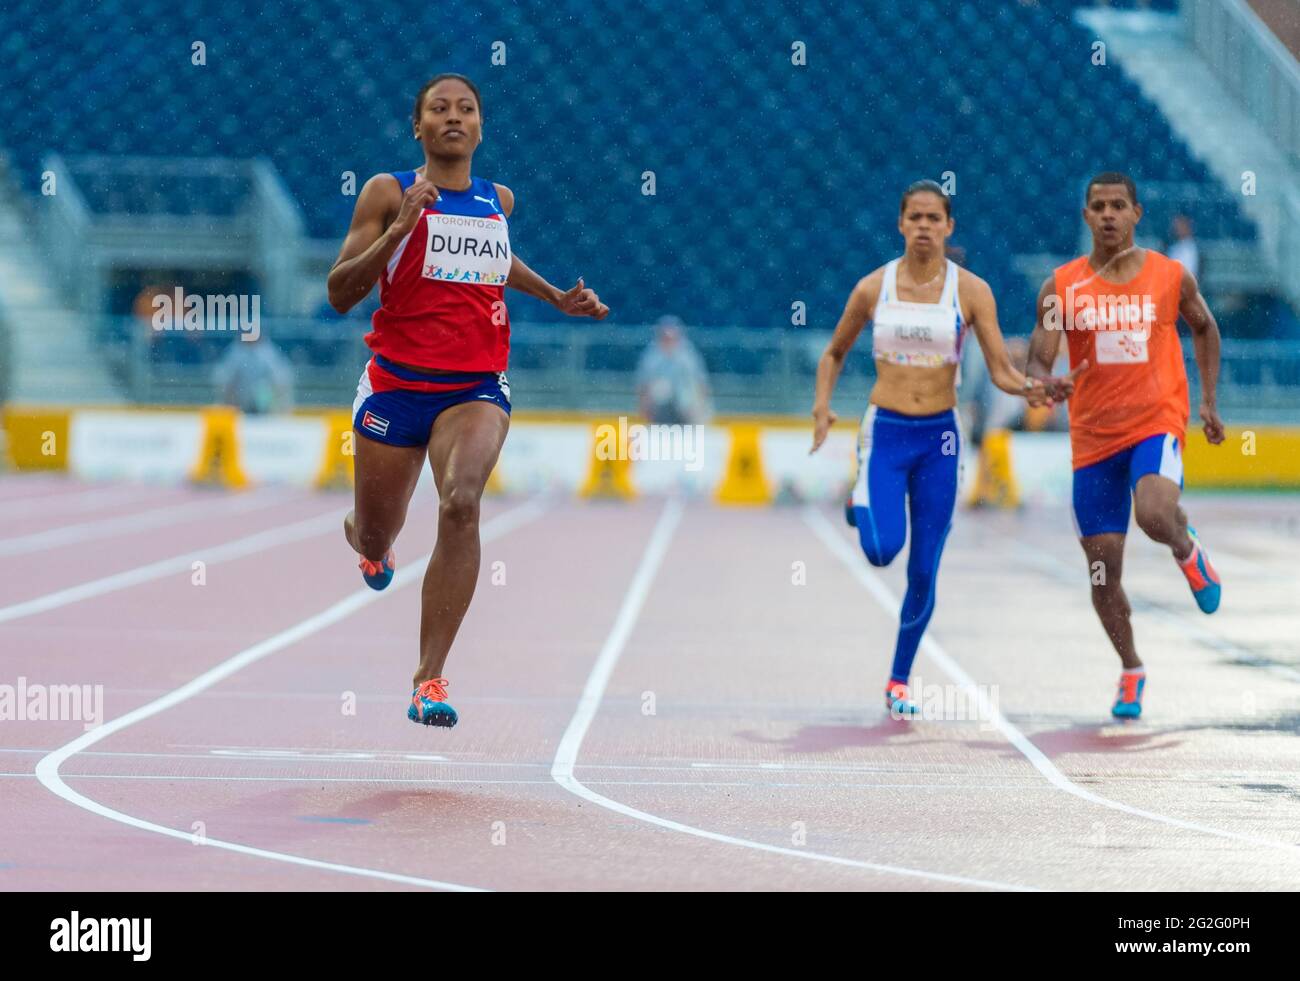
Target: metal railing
[
  {"x": 1252, "y": 64},
  {"x": 1263, "y": 76},
  {"x": 593, "y": 367},
  {"x": 111, "y": 213},
  {"x": 552, "y": 366}
]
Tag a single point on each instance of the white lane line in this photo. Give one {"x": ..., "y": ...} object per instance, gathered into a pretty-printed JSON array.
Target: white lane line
[
  {"x": 542, "y": 781},
  {"x": 238, "y": 548},
  {"x": 853, "y": 560},
  {"x": 387, "y": 759},
  {"x": 277, "y": 756},
  {"x": 344, "y": 756},
  {"x": 155, "y": 518},
  {"x": 566, "y": 755},
  {"x": 47, "y": 769},
  {"x": 247, "y": 755},
  {"x": 90, "y": 500},
  {"x": 12, "y": 490}
]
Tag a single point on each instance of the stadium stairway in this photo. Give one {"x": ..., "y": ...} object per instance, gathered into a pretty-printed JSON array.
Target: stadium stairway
[
  {"x": 1155, "y": 52},
  {"x": 53, "y": 356}
]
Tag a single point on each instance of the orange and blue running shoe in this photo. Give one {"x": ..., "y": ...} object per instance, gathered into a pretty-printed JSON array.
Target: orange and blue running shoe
[
  {"x": 429, "y": 704},
  {"x": 1206, "y": 587},
  {"x": 1128, "y": 701},
  {"x": 378, "y": 574},
  {"x": 899, "y": 701}
]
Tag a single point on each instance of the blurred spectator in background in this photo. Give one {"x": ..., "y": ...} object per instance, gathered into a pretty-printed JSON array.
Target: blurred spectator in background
[
  {"x": 992, "y": 409},
  {"x": 254, "y": 376},
  {"x": 671, "y": 381},
  {"x": 143, "y": 307},
  {"x": 143, "y": 310},
  {"x": 166, "y": 340},
  {"x": 1183, "y": 245}
]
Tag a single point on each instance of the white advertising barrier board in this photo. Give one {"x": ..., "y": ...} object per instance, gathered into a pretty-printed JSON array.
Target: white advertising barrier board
[
  {"x": 151, "y": 447},
  {"x": 281, "y": 449},
  {"x": 538, "y": 457},
  {"x": 678, "y": 459},
  {"x": 541, "y": 457},
  {"x": 1041, "y": 463},
  {"x": 796, "y": 475}
]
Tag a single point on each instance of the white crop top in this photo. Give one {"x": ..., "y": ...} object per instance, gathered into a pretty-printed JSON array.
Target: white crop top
[{"x": 924, "y": 335}]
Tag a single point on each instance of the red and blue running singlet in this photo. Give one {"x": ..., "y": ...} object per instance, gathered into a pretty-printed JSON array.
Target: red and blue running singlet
[{"x": 442, "y": 295}]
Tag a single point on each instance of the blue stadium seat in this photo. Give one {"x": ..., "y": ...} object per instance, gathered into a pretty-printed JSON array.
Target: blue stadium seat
[{"x": 776, "y": 182}]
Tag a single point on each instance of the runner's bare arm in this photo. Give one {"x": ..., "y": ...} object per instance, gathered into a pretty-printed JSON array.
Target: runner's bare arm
[
  {"x": 983, "y": 308},
  {"x": 576, "y": 302},
  {"x": 1205, "y": 341},
  {"x": 856, "y": 311},
  {"x": 372, "y": 239},
  {"x": 1045, "y": 344}
]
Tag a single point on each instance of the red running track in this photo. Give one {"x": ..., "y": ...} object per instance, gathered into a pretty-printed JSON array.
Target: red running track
[{"x": 652, "y": 696}]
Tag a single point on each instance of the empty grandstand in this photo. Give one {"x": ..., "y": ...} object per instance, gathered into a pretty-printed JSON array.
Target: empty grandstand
[{"x": 737, "y": 170}]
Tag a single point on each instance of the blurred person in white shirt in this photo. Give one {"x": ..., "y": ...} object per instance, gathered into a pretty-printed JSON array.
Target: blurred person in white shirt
[
  {"x": 254, "y": 376},
  {"x": 672, "y": 382},
  {"x": 1183, "y": 247}
]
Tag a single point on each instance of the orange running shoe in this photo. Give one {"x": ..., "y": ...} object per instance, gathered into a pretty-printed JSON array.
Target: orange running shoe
[
  {"x": 899, "y": 701},
  {"x": 1128, "y": 701},
  {"x": 1206, "y": 587},
  {"x": 429, "y": 704},
  {"x": 378, "y": 574}
]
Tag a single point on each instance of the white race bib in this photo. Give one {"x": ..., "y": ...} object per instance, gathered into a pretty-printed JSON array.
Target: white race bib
[
  {"x": 461, "y": 249},
  {"x": 1121, "y": 346},
  {"x": 920, "y": 334}
]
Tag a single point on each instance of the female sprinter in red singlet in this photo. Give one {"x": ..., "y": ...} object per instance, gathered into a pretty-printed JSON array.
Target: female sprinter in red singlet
[{"x": 436, "y": 240}]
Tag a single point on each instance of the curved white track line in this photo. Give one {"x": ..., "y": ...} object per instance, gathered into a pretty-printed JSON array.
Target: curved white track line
[
  {"x": 47, "y": 770},
  {"x": 566, "y": 755},
  {"x": 853, "y": 560}
]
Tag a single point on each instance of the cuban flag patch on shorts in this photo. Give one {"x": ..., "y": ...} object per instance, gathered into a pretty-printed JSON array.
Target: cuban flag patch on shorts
[{"x": 374, "y": 423}]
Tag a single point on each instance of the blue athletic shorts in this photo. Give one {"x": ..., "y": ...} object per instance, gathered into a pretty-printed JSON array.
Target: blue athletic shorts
[
  {"x": 405, "y": 416},
  {"x": 1103, "y": 491}
]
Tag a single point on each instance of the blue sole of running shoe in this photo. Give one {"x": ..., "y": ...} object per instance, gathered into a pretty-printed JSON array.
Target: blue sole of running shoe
[
  {"x": 444, "y": 716},
  {"x": 382, "y": 580}
]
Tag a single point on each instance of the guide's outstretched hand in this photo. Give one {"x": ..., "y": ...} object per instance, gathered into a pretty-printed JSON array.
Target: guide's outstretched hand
[{"x": 1060, "y": 389}]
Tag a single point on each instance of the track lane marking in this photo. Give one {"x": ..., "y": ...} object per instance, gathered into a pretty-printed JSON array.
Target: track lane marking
[
  {"x": 566, "y": 755},
  {"x": 47, "y": 769},
  {"x": 839, "y": 545},
  {"x": 158, "y": 517},
  {"x": 236, "y": 549}
]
